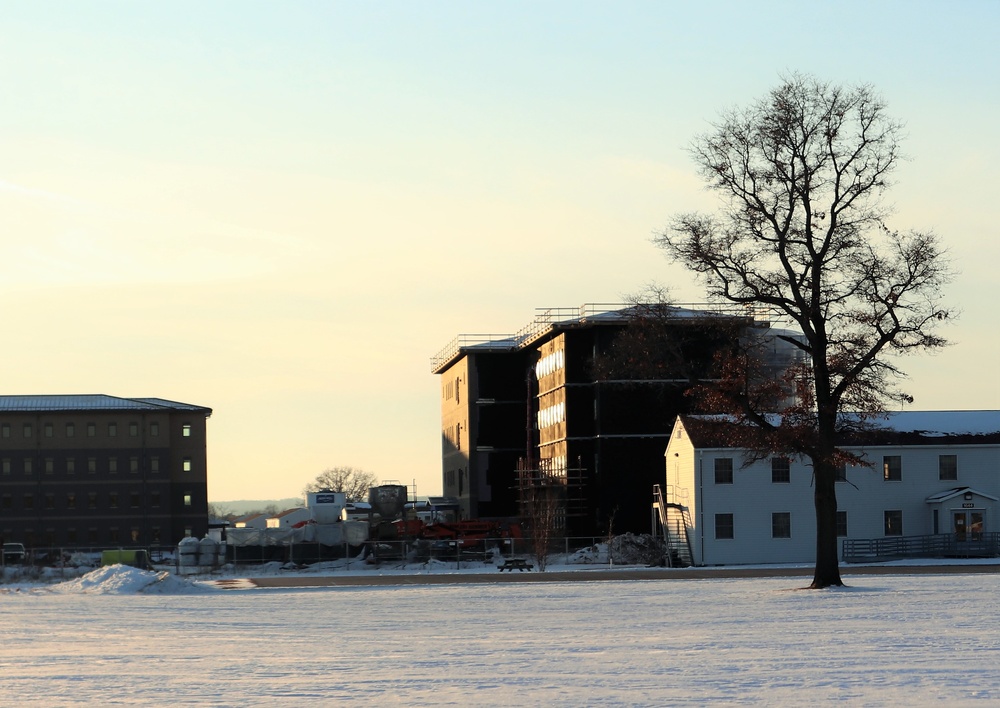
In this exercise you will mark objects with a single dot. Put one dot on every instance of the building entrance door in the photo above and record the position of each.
(968, 525)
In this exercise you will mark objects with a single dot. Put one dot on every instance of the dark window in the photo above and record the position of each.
(724, 526)
(781, 470)
(91, 430)
(892, 468)
(70, 500)
(27, 430)
(6, 465)
(893, 522)
(133, 464)
(154, 464)
(781, 524)
(50, 465)
(154, 499)
(27, 465)
(154, 429)
(5, 430)
(841, 472)
(134, 500)
(948, 467)
(113, 500)
(113, 534)
(5, 501)
(723, 470)
(70, 535)
(70, 465)
(112, 464)
(112, 430)
(49, 432)
(70, 430)
(91, 464)
(29, 501)
(133, 430)
(841, 523)
(50, 501)
(91, 500)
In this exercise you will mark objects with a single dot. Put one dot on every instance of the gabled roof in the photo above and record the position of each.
(92, 402)
(952, 493)
(288, 512)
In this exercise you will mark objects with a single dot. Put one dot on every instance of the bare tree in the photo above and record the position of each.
(542, 502)
(802, 175)
(354, 482)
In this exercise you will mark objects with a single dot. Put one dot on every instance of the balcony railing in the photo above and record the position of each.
(984, 545)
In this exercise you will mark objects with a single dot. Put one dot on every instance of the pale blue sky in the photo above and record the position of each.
(282, 210)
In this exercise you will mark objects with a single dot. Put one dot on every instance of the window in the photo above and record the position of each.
(92, 535)
(112, 464)
(5, 430)
(27, 465)
(91, 500)
(113, 500)
(133, 500)
(892, 468)
(154, 429)
(5, 501)
(50, 501)
(92, 465)
(841, 472)
(186, 430)
(112, 430)
(113, 534)
(49, 431)
(50, 465)
(70, 465)
(187, 464)
(948, 467)
(70, 500)
(155, 533)
(135, 535)
(70, 430)
(154, 464)
(133, 430)
(154, 499)
(723, 526)
(91, 430)
(133, 464)
(893, 522)
(5, 465)
(841, 523)
(29, 501)
(723, 470)
(781, 470)
(781, 524)
(70, 535)
(27, 430)
(187, 500)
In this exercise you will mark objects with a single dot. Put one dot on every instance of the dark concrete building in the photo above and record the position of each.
(96, 471)
(540, 399)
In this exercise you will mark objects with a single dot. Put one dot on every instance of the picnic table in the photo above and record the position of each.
(513, 564)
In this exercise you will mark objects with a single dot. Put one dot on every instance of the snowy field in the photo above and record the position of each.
(126, 637)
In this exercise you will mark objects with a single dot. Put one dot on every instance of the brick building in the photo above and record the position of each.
(97, 471)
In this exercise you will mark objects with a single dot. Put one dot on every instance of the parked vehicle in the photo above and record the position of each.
(13, 553)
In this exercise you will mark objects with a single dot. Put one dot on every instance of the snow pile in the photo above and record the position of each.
(125, 580)
(627, 549)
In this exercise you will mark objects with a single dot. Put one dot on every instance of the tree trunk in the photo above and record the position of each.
(827, 572)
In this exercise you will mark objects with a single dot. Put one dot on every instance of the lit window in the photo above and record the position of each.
(187, 500)
(892, 468)
(893, 522)
(780, 470)
(187, 464)
(186, 430)
(948, 467)
(723, 470)
(724, 526)
(781, 524)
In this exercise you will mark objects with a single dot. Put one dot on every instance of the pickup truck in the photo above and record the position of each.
(13, 553)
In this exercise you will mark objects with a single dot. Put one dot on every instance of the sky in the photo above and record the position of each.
(281, 211)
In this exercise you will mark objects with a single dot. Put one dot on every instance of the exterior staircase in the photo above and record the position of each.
(673, 521)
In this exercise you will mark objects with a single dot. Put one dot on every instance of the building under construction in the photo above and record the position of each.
(580, 404)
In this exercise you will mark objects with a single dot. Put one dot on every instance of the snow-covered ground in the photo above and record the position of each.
(124, 636)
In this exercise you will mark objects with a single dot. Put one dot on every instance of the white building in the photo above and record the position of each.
(931, 473)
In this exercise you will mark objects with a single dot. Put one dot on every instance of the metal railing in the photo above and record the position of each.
(984, 545)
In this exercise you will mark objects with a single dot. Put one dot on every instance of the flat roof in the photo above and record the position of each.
(92, 402)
